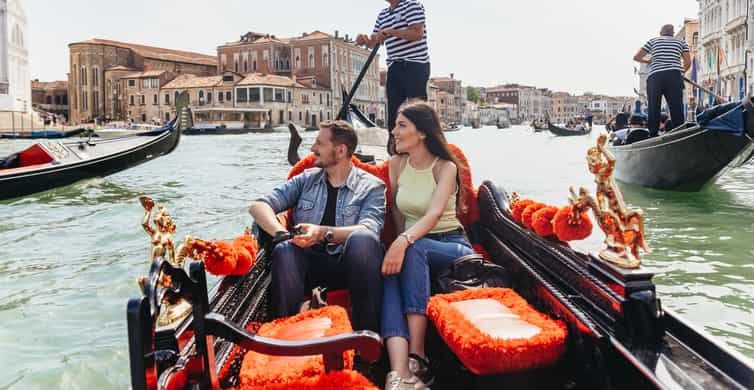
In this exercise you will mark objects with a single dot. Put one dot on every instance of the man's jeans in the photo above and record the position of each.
(409, 291)
(296, 271)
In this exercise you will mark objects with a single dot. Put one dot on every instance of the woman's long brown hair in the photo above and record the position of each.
(427, 122)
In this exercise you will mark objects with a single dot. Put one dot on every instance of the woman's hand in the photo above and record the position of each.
(394, 257)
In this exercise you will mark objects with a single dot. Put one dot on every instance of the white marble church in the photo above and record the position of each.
(15, 83)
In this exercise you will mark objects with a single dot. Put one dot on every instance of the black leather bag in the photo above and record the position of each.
(470, 271)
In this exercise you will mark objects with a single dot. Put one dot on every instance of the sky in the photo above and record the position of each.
(575, 46)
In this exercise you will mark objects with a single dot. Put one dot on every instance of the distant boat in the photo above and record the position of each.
(44, 166)
(689, 157)
(565, 131)
(43, 134)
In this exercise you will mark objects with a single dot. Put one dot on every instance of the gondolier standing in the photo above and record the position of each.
(401, 26)
(665, 76)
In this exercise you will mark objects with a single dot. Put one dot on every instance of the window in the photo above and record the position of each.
(279, 95)
(228, 96)
(220, 96)
(131, 99)
(223, 61)
(95, 76)
(235, 62)
(299, 115)
(95, 102)
(289, 100)
(131, 83)
(83, 75)
(310, 57)
(201, 98)
(297, 59)
(154, 99)
(325, 56)
(84, 100)
(143, 100)
(320, 99)
(49, 99)
(241, 95)
(290, 115)
(167, 98)
(246, 65)
(254, 95)
(267, 94)
(176, 96)
(228, 78)
(167, 117)
(209, 97)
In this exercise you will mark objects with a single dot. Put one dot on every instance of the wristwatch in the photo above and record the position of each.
(329, 236)
(408, 237)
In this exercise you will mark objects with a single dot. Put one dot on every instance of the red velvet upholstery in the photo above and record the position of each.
(34, 155)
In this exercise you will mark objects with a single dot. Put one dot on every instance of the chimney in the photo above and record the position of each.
(451, 76)
(347, 38)
(336, 33)
(303, 34)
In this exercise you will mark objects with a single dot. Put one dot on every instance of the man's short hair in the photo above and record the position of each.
(341, 134)
(667, 30)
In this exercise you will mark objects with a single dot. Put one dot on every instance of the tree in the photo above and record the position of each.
(472, 94)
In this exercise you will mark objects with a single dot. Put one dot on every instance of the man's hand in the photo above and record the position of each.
(394, 257)
(312, 234)
(362, 39)
(387, 32)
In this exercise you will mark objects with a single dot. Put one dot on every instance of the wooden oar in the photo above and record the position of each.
(709, 91)
(347, 100)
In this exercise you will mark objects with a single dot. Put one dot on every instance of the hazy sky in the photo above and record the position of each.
(576, 45)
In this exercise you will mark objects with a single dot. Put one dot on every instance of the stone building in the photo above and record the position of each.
(328, 62)
(451, 98)
(50, 97)
(723, 44)
(15, 83)
(690, 34)
(95, 89)
(253, 101)
(564, 106)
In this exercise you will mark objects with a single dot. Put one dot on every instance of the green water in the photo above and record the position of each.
(70, 257)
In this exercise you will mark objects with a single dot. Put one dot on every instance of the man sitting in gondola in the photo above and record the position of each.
(339, 212)
(635, 132)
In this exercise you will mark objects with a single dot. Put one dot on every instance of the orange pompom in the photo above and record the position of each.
(541, 221)
(529, 211)
(570, 227)
(518, 208)
(246, 253)
(218, 256)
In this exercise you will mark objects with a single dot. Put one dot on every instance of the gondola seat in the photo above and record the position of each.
(495, 331)
(261, 371)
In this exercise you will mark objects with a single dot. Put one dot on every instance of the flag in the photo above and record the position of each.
(694, 69)
(719, 59)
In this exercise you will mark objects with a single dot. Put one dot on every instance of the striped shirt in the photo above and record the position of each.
(407, 13)
(666, 52)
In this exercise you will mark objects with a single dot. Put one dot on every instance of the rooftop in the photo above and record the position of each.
(157, 52)
(148, 73)
(192, 81)
(35, 84)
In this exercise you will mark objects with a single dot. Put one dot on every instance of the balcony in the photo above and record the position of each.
(736, 23)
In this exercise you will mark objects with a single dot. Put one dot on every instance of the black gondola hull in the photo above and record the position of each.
(24, 182)
(684, 160)
(564, 132)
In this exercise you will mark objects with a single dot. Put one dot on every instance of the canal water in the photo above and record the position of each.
(70, 257)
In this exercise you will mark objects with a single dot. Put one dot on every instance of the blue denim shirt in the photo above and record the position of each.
(361, 201)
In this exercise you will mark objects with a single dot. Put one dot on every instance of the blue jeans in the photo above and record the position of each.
(409, 291)
(296, 271)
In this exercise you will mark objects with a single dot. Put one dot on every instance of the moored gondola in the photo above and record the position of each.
(43, 166)
(564, 131)
(619, 336)
(44, 134)
(689, 157)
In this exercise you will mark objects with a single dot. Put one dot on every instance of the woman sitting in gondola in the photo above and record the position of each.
(425, 179)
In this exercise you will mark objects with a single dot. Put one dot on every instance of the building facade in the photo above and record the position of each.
(50, 97)
(95, 87)
(689, 33)
(317, 59)
(451, 98)
(15, 83)
(723, 47)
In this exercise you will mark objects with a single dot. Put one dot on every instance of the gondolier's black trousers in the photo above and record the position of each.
(405, 80)
(295, 271)
(668, 83)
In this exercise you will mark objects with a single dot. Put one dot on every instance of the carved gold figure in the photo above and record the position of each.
(624, 229)
(161, 239)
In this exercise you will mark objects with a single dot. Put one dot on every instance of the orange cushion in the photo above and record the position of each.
(261, 370)
(494, 330)
(334, 380)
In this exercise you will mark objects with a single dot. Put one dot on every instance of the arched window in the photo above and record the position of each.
(49, 99)
(201, 98)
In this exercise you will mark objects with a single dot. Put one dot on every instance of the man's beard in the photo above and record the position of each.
(321, 163)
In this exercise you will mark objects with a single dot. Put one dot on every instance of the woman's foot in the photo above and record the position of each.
(419, 366)
(396, 382)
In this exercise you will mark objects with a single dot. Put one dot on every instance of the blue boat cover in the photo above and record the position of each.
(727, 117)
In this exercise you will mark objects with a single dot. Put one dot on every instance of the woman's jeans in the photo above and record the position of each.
(409, 291)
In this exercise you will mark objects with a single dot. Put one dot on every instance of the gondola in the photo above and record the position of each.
(564, 131)
(43, 166)
(503, 125)
(619, 336)
(44, 134)
(182, 334)
(693, 155)
(537, 126)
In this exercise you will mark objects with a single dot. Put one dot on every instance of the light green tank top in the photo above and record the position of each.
(415, 190)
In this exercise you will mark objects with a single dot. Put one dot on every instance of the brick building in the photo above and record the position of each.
(317, 60)
(50, 96)
(95, 88)
(451, 98)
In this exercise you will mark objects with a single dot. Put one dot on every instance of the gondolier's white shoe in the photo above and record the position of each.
(395, 382)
